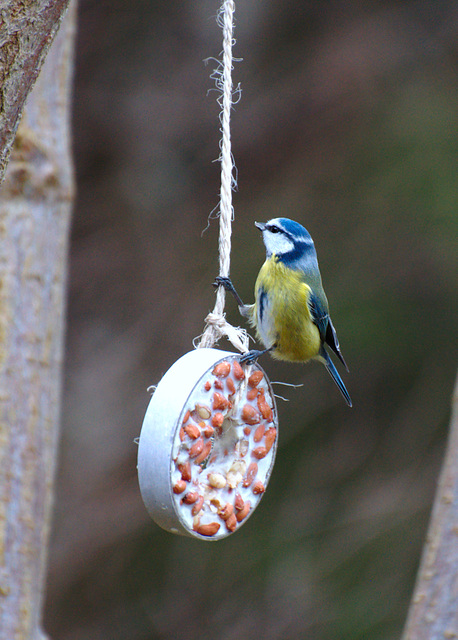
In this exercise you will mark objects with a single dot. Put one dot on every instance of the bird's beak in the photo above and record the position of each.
(260, 225)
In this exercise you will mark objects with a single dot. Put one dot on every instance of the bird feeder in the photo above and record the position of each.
(207, 444)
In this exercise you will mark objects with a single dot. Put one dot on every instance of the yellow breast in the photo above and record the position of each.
(281, 313)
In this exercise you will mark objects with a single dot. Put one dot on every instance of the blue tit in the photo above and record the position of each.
(291, 311)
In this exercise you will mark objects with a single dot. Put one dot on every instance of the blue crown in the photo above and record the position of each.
(294, 229)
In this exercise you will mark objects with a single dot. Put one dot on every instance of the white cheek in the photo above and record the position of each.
(277, 243)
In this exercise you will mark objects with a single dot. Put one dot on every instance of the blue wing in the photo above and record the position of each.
(328, 363)
(323, 321)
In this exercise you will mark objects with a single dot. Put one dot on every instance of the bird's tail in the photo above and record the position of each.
(328, 363)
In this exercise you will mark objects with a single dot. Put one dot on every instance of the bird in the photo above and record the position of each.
(291, 311)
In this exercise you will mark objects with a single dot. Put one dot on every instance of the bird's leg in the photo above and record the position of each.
(227, 284)
(244, 309)
(251, 356)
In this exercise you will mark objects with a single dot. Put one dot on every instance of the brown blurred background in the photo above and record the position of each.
(348, 124)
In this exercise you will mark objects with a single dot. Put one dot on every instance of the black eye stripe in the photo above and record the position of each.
(274, 229)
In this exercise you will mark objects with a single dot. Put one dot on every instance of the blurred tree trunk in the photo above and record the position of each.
(433, 613)
(35, 204)
(26, 32)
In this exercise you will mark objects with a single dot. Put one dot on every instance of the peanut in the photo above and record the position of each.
(226, 511)
(196, 448)
(208, 431)
(242, 514)
(222, 369)
(255, 378)
(219, 401)
(197, 506)
(259, 452)
(238, 502)
(237, 371)
(257, 437)
(264, 408)
(250, 415)
(258, 487)
(179, 487)
(190, 497)
(192, 430)
(270, 436)
(217, 420)
(231, 523)
(203, 455)
(251, 394)
(230, 386)
(185, 470)
(207, 529)
(250, 474)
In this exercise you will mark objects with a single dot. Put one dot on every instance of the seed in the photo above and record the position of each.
(257, 437)
(238, 502)
(250, 415)
(258, 487)
(217, 420)
(251, 394)
(196, 448)
(203, 411)
(242, 514)
(255, 378)
(231, 523)
(246, 431)
(203, 455)
(218, 384)
(241, 448)
(179, 487)
(237, 371)
(226, 511)
(208, 431)
(192, 430)
(198, 506)
(190, 497)
(207, 529)
(264, 408)
(250, 474)
(259, 452)
(182, 434)
(219, 401)
(270, 436)
(235, 474)
(185, 470)
(216, 480)
(222, 369)
(208, 385)
(230, 385)
(215, 504)
(186, 417)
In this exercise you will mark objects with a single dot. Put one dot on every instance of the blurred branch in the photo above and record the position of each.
(433, 613)
(26, 32)
(35, 205)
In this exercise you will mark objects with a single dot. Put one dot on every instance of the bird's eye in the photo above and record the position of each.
(274, 229)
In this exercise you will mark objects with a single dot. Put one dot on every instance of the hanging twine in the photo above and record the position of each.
(216, 324)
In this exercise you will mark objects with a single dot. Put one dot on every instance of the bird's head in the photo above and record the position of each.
(286, 239)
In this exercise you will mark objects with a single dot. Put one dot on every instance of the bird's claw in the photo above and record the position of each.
(223, 281)
(251, 356)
